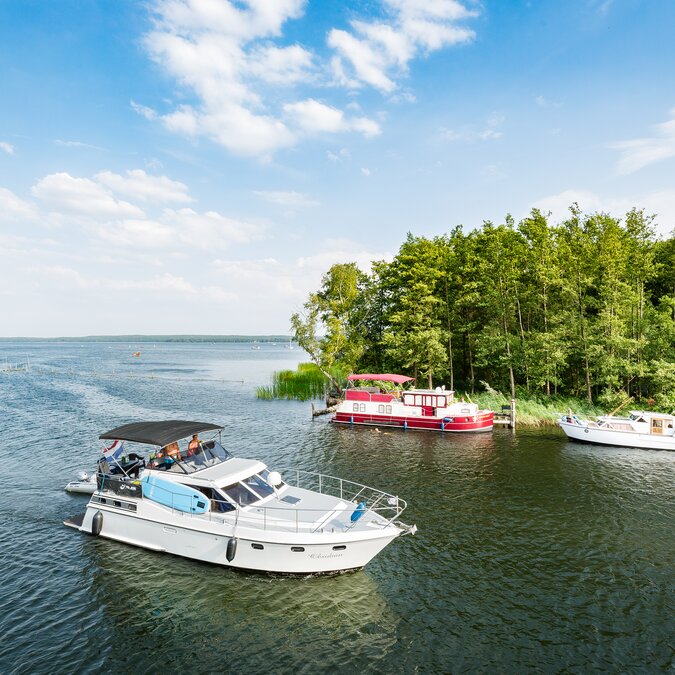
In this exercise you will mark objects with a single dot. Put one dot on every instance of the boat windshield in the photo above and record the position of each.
(208, 454)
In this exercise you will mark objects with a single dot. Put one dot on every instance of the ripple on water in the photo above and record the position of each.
(532, 553)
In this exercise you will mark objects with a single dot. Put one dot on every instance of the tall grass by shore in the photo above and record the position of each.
(303, 384)
(534, 411)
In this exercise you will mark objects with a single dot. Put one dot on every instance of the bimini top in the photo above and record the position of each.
(383, 377)
(158, 433)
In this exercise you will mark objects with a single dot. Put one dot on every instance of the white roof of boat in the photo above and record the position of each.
(230, 471)
(650, 413)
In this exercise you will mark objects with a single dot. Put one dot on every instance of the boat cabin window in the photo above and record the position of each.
(250, 490)
(259, 486)
(429, 400)
(240, 494)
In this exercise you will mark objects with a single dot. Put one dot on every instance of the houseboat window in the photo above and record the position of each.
(441, 402)
(356, 407)
(428, 400)
(388, 410)
(239, 494)
(362, 407)
(258, 485)
(380, 408)
(408, 399)
(418, 399)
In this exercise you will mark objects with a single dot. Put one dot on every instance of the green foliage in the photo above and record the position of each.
(305, 383)
(583, 308)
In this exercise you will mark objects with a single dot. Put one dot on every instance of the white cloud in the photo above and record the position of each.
(291, 199)
(166, 283)
(226, 55)
(312, 116)
(641, 152)
(7, 147)
(472, 134)
(62, 193)
(338, 156)
(75, 144)
(215, 50)
(340, 251)
(137, 233)
(365, 172)
(375, 53)
(544, 102)
(137, 184)
(281, 65)
(14, 208)
(661, 203)
(144, 111)
(210, 230)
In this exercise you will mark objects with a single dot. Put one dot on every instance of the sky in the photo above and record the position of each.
(195, 166)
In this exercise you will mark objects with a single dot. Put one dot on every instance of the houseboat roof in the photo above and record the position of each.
(382, 377)
(158, 433)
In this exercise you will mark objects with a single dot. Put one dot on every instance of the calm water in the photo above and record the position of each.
(533, 554)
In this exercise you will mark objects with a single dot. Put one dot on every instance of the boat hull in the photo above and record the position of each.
(472, 424)
(616, 438)
(207, 541)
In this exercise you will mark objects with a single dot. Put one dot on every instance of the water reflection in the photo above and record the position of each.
(184, 608)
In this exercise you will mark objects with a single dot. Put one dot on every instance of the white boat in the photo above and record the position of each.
(85, 483)
(211, 506)
(650, 430)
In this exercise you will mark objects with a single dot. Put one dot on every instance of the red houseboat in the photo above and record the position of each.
(428, 409)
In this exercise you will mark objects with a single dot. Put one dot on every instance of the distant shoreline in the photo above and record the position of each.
(153, 338)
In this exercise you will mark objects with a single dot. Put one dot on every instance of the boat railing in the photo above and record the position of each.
(359, 501)
(373, 499)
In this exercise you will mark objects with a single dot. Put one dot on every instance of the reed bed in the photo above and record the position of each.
(535, 411)
(303, 384)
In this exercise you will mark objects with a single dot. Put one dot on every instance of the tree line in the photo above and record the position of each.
(584, 308)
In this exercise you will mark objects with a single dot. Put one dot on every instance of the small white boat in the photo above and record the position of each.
(205, 504)
(85, 483)
(649, 430)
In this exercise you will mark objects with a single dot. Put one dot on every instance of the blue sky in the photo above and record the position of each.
(176, 166)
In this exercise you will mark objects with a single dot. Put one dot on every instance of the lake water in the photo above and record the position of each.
(533, 553)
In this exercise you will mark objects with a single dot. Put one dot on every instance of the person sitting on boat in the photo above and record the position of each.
(193, 445)
(171, 451)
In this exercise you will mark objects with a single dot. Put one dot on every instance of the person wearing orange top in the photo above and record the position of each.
(193, 445)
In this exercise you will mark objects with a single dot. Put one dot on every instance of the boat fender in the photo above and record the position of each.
(358, 511)
(97, 523)
(231, 549)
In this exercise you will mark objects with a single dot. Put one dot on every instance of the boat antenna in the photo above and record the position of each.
(626, 402)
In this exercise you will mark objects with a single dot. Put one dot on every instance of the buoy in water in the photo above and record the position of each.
(97, 523)
(231, 549)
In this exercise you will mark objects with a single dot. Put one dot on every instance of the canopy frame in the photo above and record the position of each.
(382, 377)
(158, 433)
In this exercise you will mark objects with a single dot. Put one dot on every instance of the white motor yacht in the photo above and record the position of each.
(203, 503)
(649, 430)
